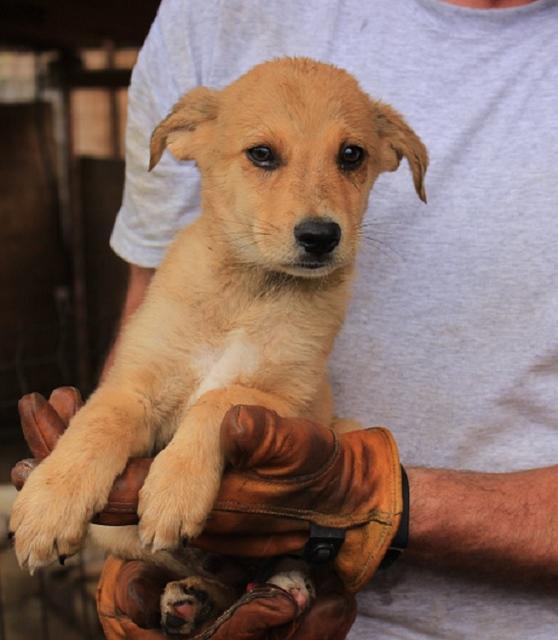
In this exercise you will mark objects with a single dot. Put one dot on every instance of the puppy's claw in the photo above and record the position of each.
(25, 563)
(62, 559)
(185, 541)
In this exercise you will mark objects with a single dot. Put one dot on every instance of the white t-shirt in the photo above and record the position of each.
(452, 335)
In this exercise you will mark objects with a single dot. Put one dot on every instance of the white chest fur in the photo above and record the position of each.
(215, 368)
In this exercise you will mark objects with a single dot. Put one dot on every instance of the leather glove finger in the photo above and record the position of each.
(128, 595)
(288, 469)
(128, 604)
(332, 614)
(268, 613)
(43, 422)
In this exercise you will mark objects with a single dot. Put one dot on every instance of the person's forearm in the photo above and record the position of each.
(138, 281)
(504, 526)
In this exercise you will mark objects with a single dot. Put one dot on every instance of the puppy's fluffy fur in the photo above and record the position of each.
(234, 315)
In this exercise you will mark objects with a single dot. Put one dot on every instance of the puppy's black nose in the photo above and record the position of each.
(317, 236)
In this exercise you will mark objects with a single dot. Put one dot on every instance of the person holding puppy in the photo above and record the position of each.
(451, 336)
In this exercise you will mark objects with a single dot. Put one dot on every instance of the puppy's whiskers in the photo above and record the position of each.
(383, 247)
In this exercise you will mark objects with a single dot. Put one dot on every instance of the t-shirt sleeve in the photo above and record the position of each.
(158, 203)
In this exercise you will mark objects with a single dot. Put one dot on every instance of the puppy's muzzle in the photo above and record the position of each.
(318, 237)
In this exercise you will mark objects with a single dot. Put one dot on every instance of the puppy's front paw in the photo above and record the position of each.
(187, 603)
(175, 500)
(48, 519)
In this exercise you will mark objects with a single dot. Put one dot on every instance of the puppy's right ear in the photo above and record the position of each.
(186, 126)
(398, 140)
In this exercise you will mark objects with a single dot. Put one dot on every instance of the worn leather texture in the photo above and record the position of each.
(287, 472)
(282, 474)
(128, 604)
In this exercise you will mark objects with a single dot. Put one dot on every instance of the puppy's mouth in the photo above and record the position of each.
(311, 266)
(310, 262)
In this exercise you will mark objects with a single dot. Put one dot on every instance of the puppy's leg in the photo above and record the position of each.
(184, 478)
(51, 513)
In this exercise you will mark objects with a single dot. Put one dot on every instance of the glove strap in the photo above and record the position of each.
(324, 542)
(401, 538)
(323, 545)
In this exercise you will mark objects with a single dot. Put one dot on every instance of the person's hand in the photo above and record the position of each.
(128, 604)
(284, 474)
(128, 595)
(44, 421)
(288, 473)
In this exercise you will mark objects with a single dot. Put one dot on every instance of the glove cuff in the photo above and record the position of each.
(401, 539)
(366, 546)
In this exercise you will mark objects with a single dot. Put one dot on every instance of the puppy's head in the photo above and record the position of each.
(288, 155)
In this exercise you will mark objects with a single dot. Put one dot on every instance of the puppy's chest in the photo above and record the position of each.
(236, 358)
(277, 347)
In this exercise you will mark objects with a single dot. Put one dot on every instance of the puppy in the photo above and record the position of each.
(243, 310)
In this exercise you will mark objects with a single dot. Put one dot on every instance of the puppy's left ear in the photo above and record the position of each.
(186, 127)
(398, 140)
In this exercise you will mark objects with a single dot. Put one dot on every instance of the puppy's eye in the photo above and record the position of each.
(263, 157)
(350, 157)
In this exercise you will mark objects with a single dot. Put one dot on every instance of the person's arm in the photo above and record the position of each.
(503, 526)
(500, 526)
(138, 281)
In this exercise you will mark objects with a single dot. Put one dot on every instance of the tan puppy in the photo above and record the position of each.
(244, 308)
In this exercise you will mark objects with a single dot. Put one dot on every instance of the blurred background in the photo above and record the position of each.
(64, 71)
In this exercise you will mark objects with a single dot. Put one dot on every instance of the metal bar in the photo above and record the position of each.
(77, 242)
(99, 79)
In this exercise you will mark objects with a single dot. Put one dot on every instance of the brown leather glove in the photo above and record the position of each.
(128, 593)
(43, 422)
(284, 474)
(128, 604)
